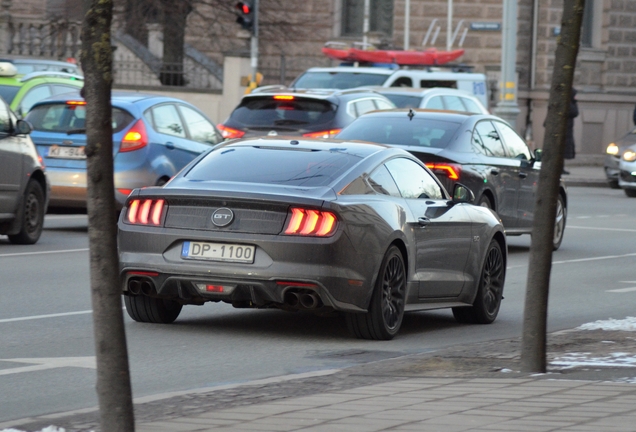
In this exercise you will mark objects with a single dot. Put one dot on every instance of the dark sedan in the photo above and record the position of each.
(311, 225)
(480, 151)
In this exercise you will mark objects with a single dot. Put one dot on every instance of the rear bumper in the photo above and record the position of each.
(331, 268)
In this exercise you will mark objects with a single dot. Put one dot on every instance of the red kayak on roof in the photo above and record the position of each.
(429, 57)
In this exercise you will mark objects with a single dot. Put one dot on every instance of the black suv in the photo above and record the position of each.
(310, 113)
(24, 189)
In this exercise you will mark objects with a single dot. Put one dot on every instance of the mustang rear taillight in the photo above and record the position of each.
(307, 222)
(146, 211)
(451, 171)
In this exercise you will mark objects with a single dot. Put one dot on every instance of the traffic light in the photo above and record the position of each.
(245, 15)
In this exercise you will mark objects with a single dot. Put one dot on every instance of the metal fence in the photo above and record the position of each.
(186, 75)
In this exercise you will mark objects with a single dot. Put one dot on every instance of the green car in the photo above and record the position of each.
(21, 92)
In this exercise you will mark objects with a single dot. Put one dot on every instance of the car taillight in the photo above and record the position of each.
(146, 211)
(135, 138)
(230, 133)
(308, 222)
(451, 171)
(323, 134)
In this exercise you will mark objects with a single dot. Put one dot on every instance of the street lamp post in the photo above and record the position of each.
(507, 107)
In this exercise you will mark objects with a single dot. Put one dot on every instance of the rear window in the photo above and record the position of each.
(338, 80)
(8, 93)
(275, 166)
(64, 118)
(267, 111)
(400, 131)
(405, 101)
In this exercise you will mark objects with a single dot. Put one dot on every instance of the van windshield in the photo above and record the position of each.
(338, 80)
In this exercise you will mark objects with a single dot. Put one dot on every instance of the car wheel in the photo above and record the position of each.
(32, 215)
(484, 201)
(613, 184)
(386, 310)
(630, 193)
(489, 293)
(559, 223)
(142, 308)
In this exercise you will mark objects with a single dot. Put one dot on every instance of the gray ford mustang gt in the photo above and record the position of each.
(316, 225)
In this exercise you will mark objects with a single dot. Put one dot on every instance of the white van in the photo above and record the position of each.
(343, 77)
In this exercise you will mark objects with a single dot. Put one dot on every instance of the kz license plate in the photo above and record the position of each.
(218, 252)
(63, 152)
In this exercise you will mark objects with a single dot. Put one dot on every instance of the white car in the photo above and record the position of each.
(439, 98)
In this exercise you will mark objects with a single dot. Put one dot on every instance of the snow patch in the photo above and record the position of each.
(627, 324)
(617, 359)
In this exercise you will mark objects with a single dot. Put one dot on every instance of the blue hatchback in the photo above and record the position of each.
(153, 138)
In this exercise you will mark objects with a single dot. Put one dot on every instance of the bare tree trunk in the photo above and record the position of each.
(175, 15)
(113, 377)
(535, 316)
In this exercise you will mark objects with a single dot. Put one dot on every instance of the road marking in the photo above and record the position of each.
(49, 363)
(622, 290)
(602, 229)
(580, 260)
(43, 252)
(34, 317)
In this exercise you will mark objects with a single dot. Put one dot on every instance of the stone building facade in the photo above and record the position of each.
(292, 33)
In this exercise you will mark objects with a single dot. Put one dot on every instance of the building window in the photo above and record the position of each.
(587, 29)
(380, 17)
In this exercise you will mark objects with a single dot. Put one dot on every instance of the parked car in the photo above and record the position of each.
(153, 138)
(29, 65)
(480, 151)
(310, 113)
(438, 98)
(613, 154)
(21, 92)
(314, 225)
(24, 188)
(345, 77)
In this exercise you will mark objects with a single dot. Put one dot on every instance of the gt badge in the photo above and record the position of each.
(222, 217)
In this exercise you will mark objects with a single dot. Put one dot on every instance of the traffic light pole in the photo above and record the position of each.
(254, 43)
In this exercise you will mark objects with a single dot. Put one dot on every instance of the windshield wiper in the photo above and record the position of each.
(75, 131)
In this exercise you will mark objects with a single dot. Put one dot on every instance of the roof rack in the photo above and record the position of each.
(50, 74)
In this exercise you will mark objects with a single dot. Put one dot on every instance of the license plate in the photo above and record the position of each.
(64, 152)
(218, 252)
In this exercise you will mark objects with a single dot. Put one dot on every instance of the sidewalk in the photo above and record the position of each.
(590, 386)
(584, 175)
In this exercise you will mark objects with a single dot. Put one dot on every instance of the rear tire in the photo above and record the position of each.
(32, 215)
(142, 308)
(386, 310)
(484, 201)
(630, 193)
(489, 294)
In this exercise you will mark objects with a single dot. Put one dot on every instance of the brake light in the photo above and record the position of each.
(135, 138)
(146, 212)
(283, 97)
(307, 222)
(230, 133)
(323, 134)
(72, 102)
(449, 170)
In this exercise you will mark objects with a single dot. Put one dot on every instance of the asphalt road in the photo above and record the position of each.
(46, 347)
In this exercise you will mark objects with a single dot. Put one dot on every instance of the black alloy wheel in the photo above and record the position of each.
(386, 309)
(490, 291)
(32, 215)
(142, 308)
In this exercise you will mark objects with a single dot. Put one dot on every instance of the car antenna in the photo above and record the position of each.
(411, 114)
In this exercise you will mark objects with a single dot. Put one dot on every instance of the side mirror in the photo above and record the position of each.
(23, 127)
(537, 155)
(461, 194)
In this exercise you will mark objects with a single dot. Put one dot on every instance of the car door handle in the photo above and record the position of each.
(423, 221)
(494, 172)
(523, 175)
(170, 145)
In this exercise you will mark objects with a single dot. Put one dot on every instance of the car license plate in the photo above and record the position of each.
(218, 252)
(65, 152)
